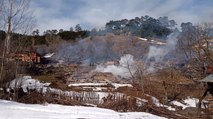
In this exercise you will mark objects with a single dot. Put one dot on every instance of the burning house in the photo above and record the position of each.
(28, 57)
(31, 56)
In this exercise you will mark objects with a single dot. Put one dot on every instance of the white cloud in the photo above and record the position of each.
(56, 14)
(59, 23)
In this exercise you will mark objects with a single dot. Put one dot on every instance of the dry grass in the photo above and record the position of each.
(46, 78)
(170, 84)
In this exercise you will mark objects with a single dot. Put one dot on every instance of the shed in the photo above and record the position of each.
(207, 79)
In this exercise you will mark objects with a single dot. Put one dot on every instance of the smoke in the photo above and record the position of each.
(99, 49)
(86, 51)
(42, 50)
(125, 69)
(158, 53)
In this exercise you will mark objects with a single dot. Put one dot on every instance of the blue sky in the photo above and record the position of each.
(57, 14)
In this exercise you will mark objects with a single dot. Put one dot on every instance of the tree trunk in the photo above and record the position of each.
(2, 64)
(8, 27)
(7, 44)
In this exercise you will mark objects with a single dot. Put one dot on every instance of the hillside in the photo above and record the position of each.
(110, 65)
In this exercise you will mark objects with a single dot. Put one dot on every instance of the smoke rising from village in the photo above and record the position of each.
(145, 56)
(86, 51)
(157, 54)
(125, 69)
(99, 49)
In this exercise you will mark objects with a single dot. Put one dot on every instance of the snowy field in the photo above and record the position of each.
(14, 110)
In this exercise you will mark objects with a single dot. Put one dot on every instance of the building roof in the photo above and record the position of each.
(208, 78)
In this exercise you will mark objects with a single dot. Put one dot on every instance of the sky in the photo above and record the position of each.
(63, 14)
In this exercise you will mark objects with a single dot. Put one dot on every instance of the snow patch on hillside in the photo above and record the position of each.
(143, 39)
(188, 102)
(27, 82)
(115, 85)
(158, 104)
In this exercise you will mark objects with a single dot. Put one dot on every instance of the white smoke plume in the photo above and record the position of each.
(158, 53)
(98, 49)
(86, 51)
(125, 69)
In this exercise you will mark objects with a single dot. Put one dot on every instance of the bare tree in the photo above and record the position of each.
(1, 6)
(196, 42)
(15, 17)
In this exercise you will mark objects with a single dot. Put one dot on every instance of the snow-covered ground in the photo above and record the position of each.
(26, 83)
(188, 102)
(116, 85)
(14, 110)
(158, 104)
(152, 41)
(143, 39)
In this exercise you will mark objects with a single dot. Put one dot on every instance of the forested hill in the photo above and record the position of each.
(145, 26)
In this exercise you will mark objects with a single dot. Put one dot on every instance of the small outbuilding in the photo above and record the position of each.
(209, 81)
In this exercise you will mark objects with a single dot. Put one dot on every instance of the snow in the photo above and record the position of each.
(96, 88)
(102, 95)
(188, 102)
(179, 104)
(49, 55)
(87, 84)
(191, 102)
(143, 39)
(140, 102)
(157, 103)
(116, 85)
(14, 110)
(27, 82)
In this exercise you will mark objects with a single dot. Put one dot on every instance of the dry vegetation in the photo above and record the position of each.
(167, 84)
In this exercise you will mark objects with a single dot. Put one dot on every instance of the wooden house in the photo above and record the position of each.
(28, 57)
